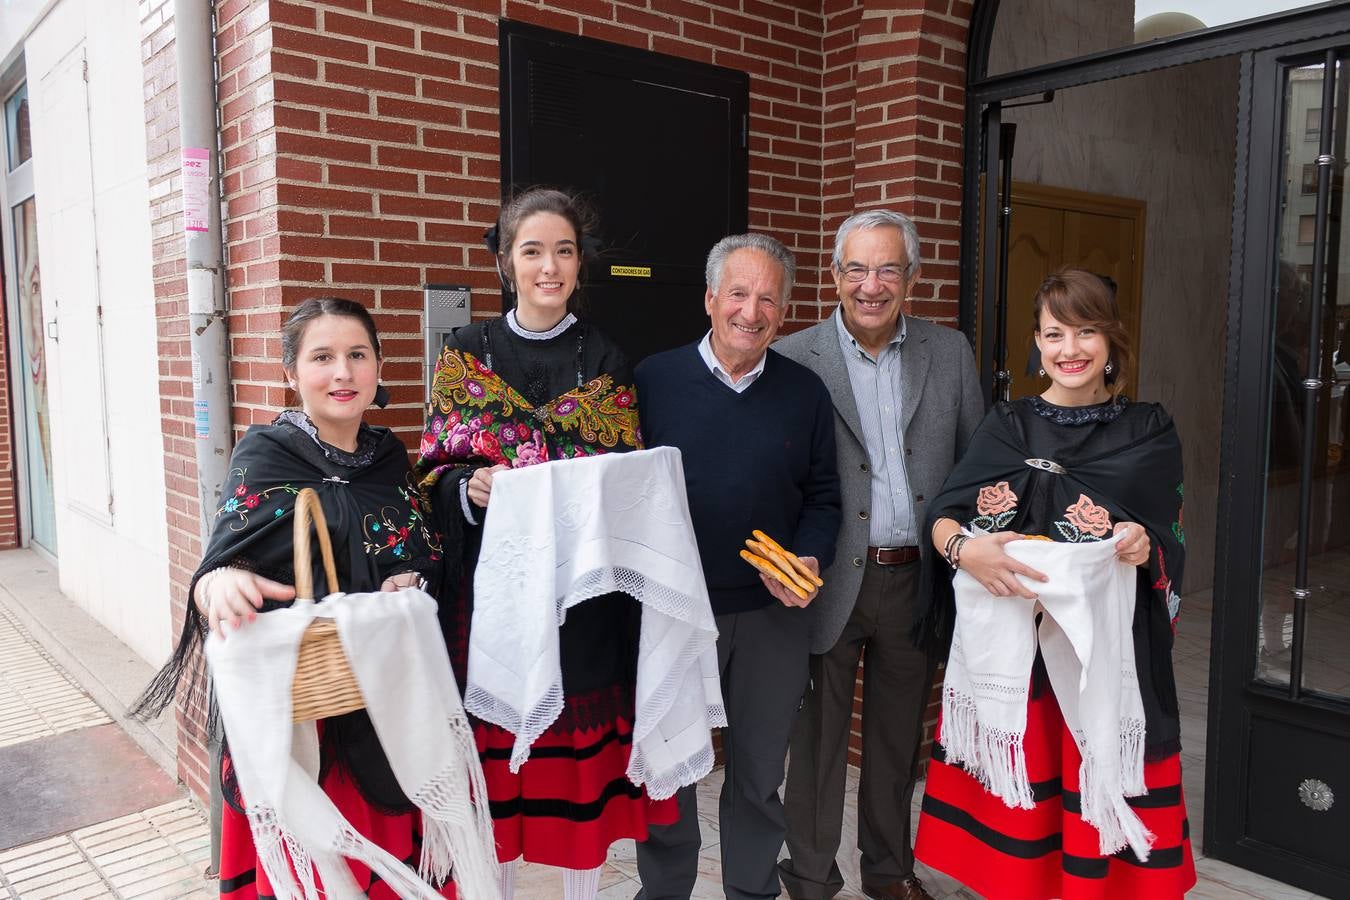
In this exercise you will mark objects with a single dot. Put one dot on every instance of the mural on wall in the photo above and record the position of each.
(34, 362)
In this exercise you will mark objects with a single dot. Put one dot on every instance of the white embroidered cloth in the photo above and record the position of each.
(1088, 647)
(395, 648)
(560, 533)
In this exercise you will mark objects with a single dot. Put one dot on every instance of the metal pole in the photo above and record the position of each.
(1312, 381)
(989, 248)
(199, 133)
(1002, 377)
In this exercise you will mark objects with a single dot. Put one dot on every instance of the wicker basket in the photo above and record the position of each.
(324, 684)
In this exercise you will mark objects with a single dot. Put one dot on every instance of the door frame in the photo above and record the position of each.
(1235, 695)
(15, 187)
(1233, 631)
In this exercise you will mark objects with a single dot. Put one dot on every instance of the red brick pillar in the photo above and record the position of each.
(894, 104)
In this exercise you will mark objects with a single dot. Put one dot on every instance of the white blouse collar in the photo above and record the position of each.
(567, 322)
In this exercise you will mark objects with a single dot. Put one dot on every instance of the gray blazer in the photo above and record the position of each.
(941, 405)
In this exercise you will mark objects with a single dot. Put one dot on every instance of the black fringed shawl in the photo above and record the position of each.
(1070, 474)
(375, 519)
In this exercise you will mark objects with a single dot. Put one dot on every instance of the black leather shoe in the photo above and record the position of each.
(907, 888)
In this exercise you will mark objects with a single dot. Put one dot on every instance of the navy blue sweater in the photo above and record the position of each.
(763, 458)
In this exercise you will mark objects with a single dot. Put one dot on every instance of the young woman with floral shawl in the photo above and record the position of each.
(532, 386)
(381, 541)
(1077, 464)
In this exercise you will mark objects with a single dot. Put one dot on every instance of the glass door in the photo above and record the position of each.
(1279, 779)
(27, 331)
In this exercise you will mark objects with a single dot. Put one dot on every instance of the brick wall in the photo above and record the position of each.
(362, 155)
(362, 158)
(9, 508)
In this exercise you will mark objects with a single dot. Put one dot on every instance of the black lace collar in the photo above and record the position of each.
(1079, 415)
(367, 441)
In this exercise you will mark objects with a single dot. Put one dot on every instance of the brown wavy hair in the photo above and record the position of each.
(1077, 297)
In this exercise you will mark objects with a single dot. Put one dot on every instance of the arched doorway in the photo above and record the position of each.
(1236, 137)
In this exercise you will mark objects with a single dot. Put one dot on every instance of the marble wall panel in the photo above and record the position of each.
(1166, 138)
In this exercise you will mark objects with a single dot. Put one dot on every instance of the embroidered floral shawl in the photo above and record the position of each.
(1138, 479)
(475, 418)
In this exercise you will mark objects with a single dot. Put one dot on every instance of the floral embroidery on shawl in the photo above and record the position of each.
(241, 500)
(477, 414)
(1084, 521)
(1164, 586)
(996, 506)
(385, 532)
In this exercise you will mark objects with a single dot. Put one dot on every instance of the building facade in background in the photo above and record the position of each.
(362, 146)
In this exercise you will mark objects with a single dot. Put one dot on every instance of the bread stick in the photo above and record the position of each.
(772, 571)
(802, 568)
(766, 552)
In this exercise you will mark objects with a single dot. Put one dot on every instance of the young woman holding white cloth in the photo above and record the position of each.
(1079, 463)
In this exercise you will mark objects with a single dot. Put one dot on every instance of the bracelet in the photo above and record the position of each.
(955, 557)
(199, 589)
(947, 549)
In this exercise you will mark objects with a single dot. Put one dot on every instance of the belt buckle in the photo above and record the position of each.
(876, 557)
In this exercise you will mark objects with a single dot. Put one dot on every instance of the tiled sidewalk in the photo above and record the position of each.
(156, 853)
(159, 849)
(93, 816)
(36, 699)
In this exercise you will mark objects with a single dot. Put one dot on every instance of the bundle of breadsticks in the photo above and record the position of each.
(783, 566)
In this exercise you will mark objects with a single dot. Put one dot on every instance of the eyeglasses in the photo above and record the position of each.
(884, 273)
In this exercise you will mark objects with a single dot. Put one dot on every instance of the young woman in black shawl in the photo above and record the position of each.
(331, 357)
(1078, 463)
(535, 385)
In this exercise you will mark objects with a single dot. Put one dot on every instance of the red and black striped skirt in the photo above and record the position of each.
(571, 799)
(241, 878)
(1049, 851)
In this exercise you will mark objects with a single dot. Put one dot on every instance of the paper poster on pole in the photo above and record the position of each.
(196, 188)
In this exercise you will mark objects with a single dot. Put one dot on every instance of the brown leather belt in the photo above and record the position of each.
(892, 556)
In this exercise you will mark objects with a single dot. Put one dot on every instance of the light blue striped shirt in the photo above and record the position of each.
(876, 391)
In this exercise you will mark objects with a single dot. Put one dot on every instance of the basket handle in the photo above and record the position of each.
(307, 507)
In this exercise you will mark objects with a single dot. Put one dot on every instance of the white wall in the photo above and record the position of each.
(16, 17)
(94, 240)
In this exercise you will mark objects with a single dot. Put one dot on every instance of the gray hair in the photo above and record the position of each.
(773, 248)
(878, 218)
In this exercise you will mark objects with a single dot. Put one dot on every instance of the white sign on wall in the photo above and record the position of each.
(196, 187)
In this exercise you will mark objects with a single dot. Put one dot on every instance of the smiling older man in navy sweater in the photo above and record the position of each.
(756, 432)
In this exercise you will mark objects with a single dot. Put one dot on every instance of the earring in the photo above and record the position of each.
(1042, 371)
(1109, 369)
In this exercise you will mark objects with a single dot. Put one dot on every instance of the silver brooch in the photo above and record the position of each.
(1046, 465)
(1316, 794)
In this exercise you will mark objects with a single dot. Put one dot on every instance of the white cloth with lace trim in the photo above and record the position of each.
(1087, 643)
(560, 533)
(394, 646)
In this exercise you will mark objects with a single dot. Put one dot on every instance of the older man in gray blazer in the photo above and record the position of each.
(906, 402)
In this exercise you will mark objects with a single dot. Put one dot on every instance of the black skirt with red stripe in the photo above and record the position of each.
(1049, 851)
(241, 878)
(571, 799)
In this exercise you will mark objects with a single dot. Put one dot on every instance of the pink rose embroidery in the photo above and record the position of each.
(485, 444)
(1088, 517)
(995, 499)
(459, 440)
